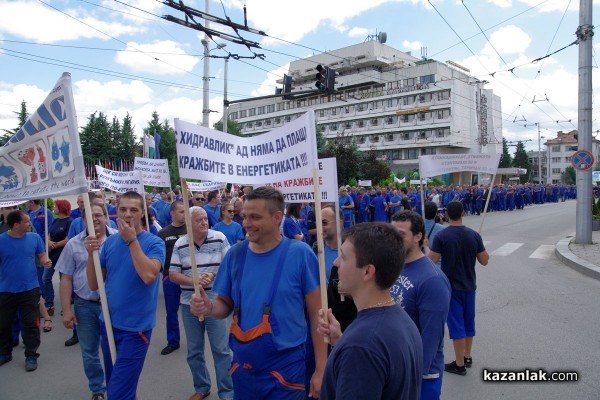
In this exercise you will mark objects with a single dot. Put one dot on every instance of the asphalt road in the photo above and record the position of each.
(531, 313)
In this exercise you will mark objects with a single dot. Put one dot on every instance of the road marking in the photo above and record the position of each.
(545, 252)
(506, 249)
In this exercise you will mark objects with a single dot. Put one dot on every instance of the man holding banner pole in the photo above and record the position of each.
(264, 280)
(131, 263)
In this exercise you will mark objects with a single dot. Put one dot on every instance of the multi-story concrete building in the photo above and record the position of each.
(560, 150)
(389, 102)
(535, 158)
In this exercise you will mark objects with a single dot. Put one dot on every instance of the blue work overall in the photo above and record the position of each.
(259, 370)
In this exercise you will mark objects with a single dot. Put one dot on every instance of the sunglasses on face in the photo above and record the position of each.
(199, 199)
(230, 211)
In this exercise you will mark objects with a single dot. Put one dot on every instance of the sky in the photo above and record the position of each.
(124, 58)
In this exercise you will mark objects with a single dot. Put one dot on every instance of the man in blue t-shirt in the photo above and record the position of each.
(19, 286)
(379, 355)
(267, 281)
(131, 263)
(459, 247)
(213, 207)
(424, 292)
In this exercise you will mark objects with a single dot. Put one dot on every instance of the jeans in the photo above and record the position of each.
(88, 331)
(172, 293)
(48, 289)
(28, 304)
(218, 338)
(40, 275)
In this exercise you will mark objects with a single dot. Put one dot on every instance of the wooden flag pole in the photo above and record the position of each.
(320, 246)
(190, 235)
(146, 211)
(339, 233)
(46, 234)
(100, 279)
(487, 202)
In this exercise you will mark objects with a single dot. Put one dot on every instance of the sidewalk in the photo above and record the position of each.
(580, 257)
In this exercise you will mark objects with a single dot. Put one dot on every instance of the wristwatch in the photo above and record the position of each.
(129, 241)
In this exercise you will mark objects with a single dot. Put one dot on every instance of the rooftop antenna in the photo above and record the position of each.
(380, 37)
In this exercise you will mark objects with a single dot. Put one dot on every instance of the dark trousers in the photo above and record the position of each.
(28, 304)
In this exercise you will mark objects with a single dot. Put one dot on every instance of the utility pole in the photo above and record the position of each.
(205, 78)
(585, 32)
(539, 154)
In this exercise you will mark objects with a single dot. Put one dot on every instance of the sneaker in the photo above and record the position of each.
(4, 358)
(468, 362)
(72, 341)
(30, 363)
(199, 396)
(98, 396)
(168, 350)
(455, 369)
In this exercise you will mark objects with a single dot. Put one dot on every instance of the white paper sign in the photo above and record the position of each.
(205, 186)
(154, 172)
(447, 163)
(43, 159)
(120, 181)
(283, 153)
(302, 190)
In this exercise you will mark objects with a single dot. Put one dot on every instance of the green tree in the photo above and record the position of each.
(569, 176)
(95, 137)
(521, 160)
(233, 127)
(347, 156)
(505, 158)
(168, 150)
(372, 168)
(22, 116)
(128, 145)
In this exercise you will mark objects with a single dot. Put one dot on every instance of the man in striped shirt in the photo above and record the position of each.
(210, 247)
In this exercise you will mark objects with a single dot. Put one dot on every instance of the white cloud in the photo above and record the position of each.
(94, 95)
(508, 40)
(358, 32)
(141, 58)
(270, 83)
(552, 5)
(416, 45)
(132, 10)
(501, 3)
(47, 25)
(281, 20)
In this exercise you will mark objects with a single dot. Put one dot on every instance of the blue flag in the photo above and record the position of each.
(156, 145)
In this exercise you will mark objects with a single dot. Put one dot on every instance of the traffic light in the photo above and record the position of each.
(287, 87)
(325, 79)
(330, 80)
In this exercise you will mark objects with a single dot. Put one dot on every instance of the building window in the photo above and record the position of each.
(389, 120)
(375, 138)
(258, 124)
(361, 140)
(567, 159)
(361, 124)
(348, 125)
(556, 149)
(428, 79)
(374, 122)
(260, 110)
(555, 159)
(278, 120)
(243, 114)
(347, 109)
(271, 108)
(252, 112)
(405, 118)
(233, 115)
(389, 137)
(267, 122)
(280, 106)
(333, 111)
(556, 170)
(390, 103)
(249, 125)
(360, 107)
(321, 113)
(288, 118)
(405, 136)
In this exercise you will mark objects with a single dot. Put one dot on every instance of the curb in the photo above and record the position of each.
(580, 265)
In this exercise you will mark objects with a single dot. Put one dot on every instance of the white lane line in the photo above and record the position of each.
(544, 252)
(506, 249)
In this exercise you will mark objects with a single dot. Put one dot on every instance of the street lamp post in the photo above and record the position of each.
(225, 95)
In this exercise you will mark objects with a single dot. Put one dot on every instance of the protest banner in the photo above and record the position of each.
(447, 163)
(122, 182)
(11, 203)
(205, 186)
(43, 159)
(301, 190)
(155, 172)
(286, 152)
(365, 183)
(396, 180)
